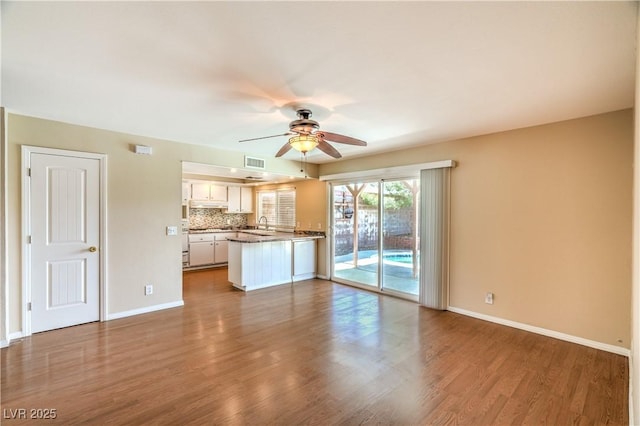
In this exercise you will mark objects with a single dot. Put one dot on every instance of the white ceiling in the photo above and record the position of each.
(395, 74)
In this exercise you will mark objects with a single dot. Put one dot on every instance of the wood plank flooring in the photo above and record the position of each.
(315, 353)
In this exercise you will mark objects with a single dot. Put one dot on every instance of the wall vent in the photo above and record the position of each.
(254, 163)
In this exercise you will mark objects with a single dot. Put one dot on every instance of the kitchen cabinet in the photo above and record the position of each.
(240, 199)
(186, 193)
(200, 191)
(209, 248)
(207, 191)
(201, 249)
(221, 246)
(221, 251)
(218, 192)
(246, 200)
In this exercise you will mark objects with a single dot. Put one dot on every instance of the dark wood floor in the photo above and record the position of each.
(314, 353)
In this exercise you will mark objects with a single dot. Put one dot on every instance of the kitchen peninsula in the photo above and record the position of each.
(259, 259)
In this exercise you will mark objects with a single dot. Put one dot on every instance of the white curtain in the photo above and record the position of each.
(434, 238)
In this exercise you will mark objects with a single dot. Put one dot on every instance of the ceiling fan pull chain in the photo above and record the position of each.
(303, 164)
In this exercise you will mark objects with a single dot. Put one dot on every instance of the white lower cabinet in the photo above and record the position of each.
(201, 249)
(221, 251)
(209, 248)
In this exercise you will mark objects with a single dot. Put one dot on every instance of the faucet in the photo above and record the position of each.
(266, 222)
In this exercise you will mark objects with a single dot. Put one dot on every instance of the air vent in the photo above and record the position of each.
(254, 163)
(254, 178)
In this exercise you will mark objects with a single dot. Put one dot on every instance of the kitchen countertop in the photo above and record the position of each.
(213, 230)
(259, 236)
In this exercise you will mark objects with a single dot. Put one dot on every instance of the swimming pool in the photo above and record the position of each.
(403, 257)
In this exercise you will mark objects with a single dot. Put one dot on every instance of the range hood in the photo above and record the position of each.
(208, 204)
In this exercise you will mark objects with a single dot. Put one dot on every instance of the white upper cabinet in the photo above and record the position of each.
(200, 191)
(246, 200)
(240, 199)
(218, 192)
(186, 193)
(206, 191)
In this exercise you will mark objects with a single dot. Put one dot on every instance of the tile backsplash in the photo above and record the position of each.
(214, 218)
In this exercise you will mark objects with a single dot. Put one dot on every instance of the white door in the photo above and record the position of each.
(64, 200)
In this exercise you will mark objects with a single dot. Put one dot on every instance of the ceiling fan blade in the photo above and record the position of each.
(285, 148)
(328, 149)
(334, 137)
(267, 137)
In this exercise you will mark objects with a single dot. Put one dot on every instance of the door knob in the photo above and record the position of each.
(92, 249)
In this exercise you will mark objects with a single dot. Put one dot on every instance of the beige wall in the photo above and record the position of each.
(311, 212)
(4, 323)
(542, 218)
(143, 197)
(634, 383)
(311, 204)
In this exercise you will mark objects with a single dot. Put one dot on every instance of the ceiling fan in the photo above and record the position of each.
(307, 136)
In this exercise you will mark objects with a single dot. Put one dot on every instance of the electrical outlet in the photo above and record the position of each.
(488, 298)
(148, 289)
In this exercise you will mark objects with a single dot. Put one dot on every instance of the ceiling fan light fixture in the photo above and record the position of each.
(304, 143)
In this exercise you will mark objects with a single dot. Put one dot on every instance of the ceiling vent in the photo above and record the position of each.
(254, 178)
(254, 163)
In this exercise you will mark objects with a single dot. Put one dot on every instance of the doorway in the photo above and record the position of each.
(64, 246)
(375, 240)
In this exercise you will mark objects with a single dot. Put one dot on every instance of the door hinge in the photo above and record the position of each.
(28, 306)
(28, 239)
(29, 172)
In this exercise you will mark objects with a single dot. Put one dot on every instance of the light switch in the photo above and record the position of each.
(172, 230)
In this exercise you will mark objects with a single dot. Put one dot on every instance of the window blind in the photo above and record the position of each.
(278, 206)
(434, 238)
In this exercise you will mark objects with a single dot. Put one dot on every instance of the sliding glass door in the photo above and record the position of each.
(355, 227)
(400, 236)
(375, 235)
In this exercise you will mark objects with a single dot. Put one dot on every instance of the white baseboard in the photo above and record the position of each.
(12, 336)
(631, 394)
(543, 331)
(18, 334)
(15, 335)
(145, 310)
